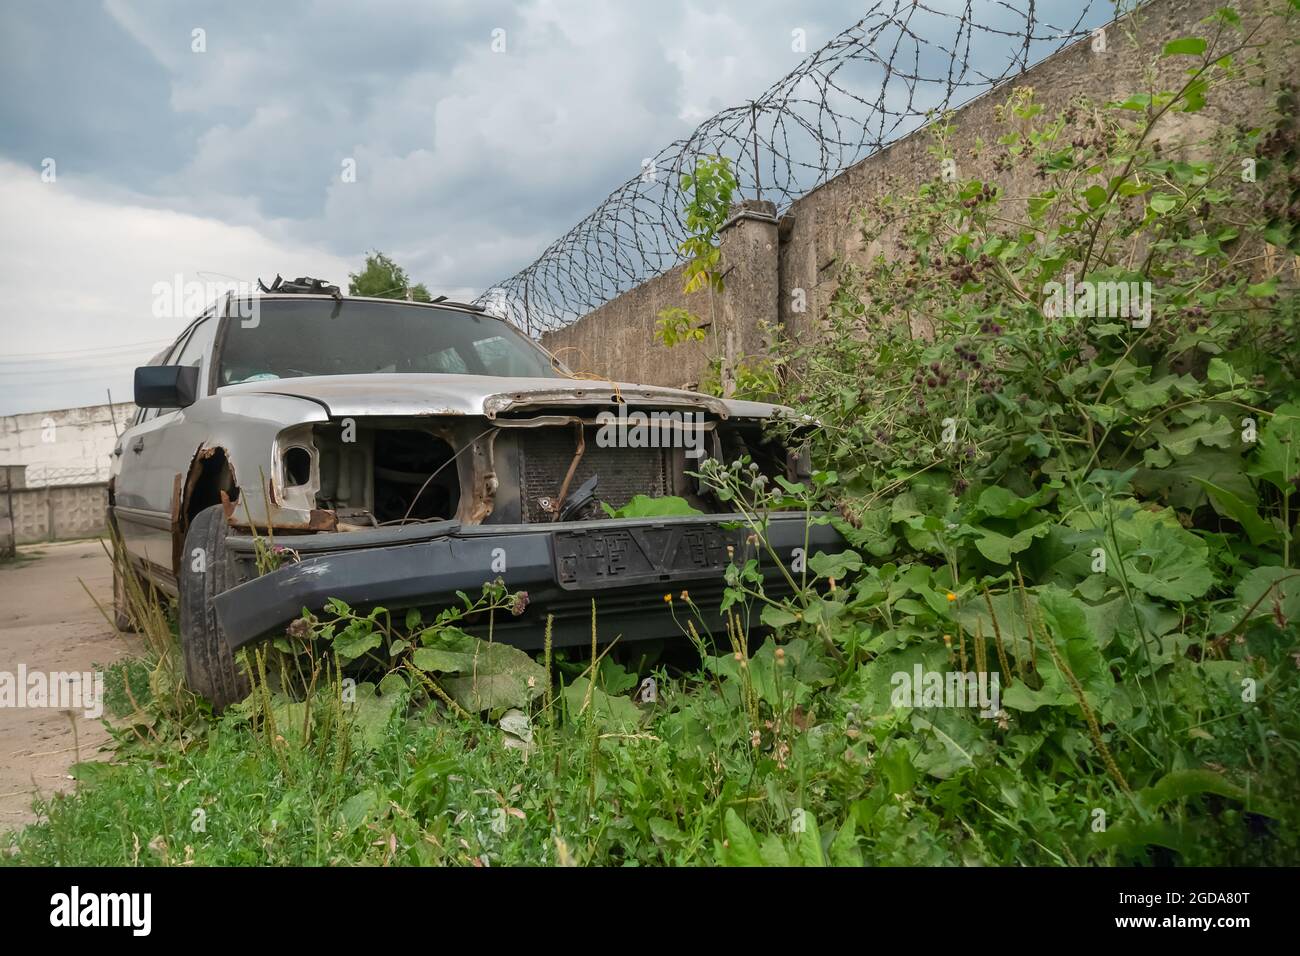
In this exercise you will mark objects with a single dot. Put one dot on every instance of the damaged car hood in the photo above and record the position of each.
(439, 394)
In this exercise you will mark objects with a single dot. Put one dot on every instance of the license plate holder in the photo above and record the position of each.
(643, 554)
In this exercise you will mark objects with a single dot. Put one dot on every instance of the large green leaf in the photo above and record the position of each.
(1157, 556)
(951, 742)
(1178, 480)
(876, 678)
(999, 548)
(1187, 46)
(642, 506)
(613, 714)
(798, 674)
(359, 808)
(999, 502)
(740, 849)
(844, 848)
(835, 565)
(1008, 608)
(1170, 563)
(370, 715)
(357, 639)
(1183, 440)
(1141, 834)
(1241, 510)
(1147, 395)
(1066, 621)
(1186, 783)
(1283, 587)
(1277, 460)
(874, 534)
(809, 842)
(481, 675)
(1129, 620)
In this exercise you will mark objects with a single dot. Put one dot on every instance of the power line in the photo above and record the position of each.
(86, 372)
(23, 356)
(60, 383)
(89, 361)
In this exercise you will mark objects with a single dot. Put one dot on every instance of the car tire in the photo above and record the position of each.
(210, 667)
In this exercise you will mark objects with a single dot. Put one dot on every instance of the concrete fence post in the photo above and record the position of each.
(750, 264)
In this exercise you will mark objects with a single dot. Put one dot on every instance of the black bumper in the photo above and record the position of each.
(626, 565)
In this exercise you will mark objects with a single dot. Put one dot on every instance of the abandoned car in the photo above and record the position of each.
(404, 451)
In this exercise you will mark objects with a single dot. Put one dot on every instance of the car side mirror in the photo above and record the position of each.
(166, 386)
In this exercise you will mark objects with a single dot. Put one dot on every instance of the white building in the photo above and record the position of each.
(67, 446)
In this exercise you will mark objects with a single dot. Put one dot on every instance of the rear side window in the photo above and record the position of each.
(144, 414)
(189, 350)
(196, 347)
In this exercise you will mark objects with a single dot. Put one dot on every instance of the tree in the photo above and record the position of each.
(382, 278)
(709, 190)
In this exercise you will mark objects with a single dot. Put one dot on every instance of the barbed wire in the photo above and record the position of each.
(872, 84)
(40, 476)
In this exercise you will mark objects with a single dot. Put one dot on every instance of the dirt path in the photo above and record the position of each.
(48, 623)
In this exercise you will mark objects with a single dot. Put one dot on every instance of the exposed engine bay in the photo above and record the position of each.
(563, 465)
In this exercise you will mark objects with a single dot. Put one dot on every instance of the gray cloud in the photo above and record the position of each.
(468, 161)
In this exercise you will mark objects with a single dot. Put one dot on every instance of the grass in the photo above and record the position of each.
(22, 556)
(750, 756)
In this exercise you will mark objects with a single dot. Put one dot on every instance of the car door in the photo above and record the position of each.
(152, 466)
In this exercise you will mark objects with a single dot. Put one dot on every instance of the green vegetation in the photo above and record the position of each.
(1098, 510)
(382, 278)
(20, 557)
(708, 190)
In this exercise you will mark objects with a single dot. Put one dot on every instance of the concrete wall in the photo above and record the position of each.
(64, 446)
(55, 512)
(819, 233)
(65, 455)
(617, 340)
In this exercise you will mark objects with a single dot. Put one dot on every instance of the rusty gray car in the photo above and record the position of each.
(405, 451)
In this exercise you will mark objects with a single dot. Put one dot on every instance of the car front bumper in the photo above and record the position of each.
(626, 565)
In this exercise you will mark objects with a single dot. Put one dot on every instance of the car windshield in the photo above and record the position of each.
(288, 339)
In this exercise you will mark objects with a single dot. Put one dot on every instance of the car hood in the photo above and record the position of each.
(415, 394)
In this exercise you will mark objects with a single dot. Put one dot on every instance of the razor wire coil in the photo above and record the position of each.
(879, 80)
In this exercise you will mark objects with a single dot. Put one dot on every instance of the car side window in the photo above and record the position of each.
(189, 349)
(146, 414)
(195, 349)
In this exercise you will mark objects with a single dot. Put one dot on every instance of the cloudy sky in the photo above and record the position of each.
(229, 163)
(145, 140)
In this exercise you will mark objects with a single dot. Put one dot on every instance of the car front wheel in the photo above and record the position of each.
(210, 668)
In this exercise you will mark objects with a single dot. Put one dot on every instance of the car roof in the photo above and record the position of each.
(443, 303)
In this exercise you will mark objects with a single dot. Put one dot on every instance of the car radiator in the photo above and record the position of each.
(545, 456)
